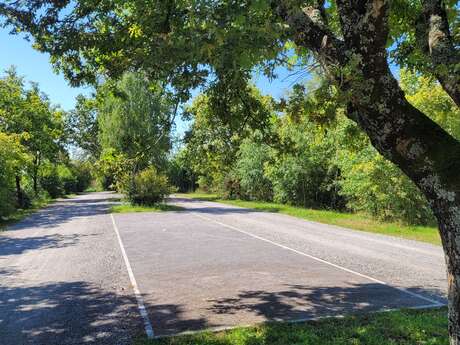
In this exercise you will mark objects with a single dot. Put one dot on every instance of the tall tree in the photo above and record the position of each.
(82, 125)
(192, 42)
(135, 118)
(28, 113)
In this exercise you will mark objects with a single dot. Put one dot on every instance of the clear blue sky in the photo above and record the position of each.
(35, 66)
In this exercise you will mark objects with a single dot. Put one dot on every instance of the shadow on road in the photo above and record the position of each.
(300, 302)
(66, 210)
(15, 246)
(198, 206)
(66, 313)
(295, 302)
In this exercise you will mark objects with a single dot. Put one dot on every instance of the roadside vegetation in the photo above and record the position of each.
(405, 327)
(310, 161)
(35, 165)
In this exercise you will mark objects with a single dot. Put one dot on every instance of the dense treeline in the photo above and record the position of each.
(301, 151)
(309, 154)
(34, 161)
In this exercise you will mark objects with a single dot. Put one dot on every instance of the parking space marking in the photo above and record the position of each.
(140, 300)
(432, 302)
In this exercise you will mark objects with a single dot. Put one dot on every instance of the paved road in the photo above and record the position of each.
(64, 277)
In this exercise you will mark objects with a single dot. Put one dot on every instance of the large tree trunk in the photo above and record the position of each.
(427, 154)
(448, 215)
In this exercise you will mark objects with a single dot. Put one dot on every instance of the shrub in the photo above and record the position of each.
(146, 187)
(377, 187)
(250, 170)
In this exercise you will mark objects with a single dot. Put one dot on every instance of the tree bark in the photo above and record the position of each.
(449, 226)
(435, 41)
(427, 154)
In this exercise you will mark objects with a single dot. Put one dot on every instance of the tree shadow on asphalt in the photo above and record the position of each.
(294, 303)
(78, 312)
(15, 246)
(220, 210)
(306, 302)
(67, 313)
(63, 212)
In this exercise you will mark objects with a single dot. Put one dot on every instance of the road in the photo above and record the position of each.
(74, 274)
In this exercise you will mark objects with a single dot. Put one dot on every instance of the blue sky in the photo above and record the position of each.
(35, 66)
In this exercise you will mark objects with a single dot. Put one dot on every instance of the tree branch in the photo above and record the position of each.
(435, 40)
(309, 29)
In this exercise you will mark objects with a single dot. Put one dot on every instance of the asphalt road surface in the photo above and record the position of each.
(74, 274)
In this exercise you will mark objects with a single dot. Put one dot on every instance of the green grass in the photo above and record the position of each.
(128, 208)
(404, 327)
(20, 214)
(348, 220)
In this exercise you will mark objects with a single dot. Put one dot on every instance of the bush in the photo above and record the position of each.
(146, 187)
(252, 157)
(377, 187)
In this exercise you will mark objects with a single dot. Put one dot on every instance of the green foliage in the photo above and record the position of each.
(135, 119)
(147, 187)
(82, 125)
(51, 182)
(12, 160)
(213, 142)
(427, 95)
(304, 171)
(252, 156)
(313, 156)
(373, 185)
(111, 167)
(83, 172)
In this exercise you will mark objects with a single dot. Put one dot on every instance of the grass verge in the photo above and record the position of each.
(128, 208)
(403, 327)
(347, 220)
(20, 214)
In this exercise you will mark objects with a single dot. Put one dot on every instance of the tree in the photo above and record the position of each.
(192, 42)
(13, 158)
(219, 126)
(28, 113)
(83, 127)
(135, 119)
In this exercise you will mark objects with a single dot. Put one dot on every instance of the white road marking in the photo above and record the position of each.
(432, 301)
(140, 301)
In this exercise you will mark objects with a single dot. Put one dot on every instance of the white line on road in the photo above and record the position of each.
(140, 300)
(432, 301)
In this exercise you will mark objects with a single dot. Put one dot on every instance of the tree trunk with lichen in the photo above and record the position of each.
(448, 215)
(358, 65)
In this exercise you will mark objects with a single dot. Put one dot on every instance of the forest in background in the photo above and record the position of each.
(300, 151)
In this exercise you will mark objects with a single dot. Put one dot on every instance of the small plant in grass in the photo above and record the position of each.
(147, 187)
